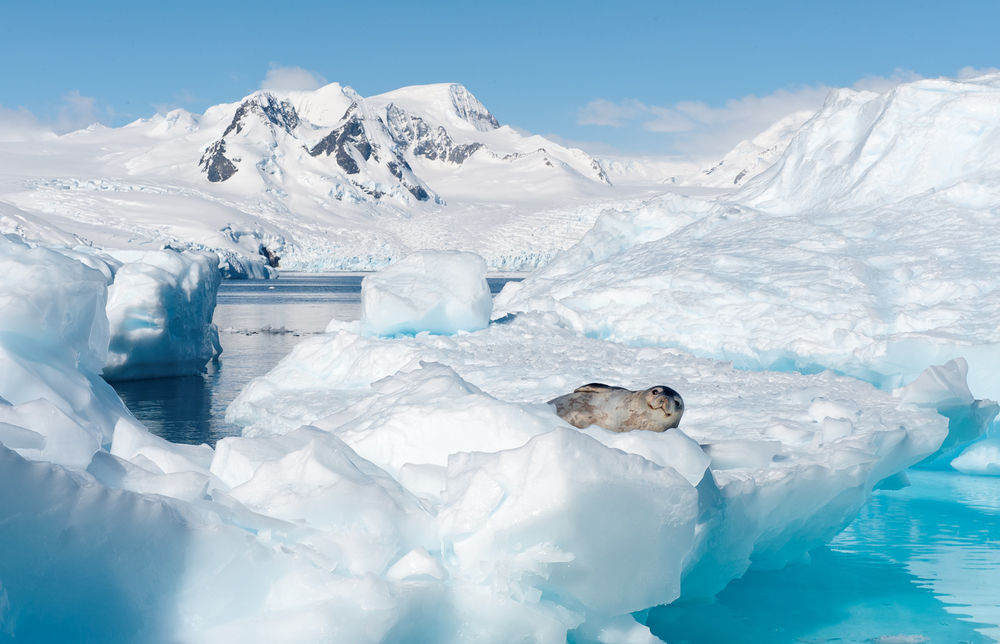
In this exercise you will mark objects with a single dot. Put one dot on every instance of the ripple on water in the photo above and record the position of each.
(920, 564)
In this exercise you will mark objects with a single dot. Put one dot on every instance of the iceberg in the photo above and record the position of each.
(54, 337)
(415, 486)
(764, 467)
(433, 291)
(160, 307)
(982, 457)
(433, 494)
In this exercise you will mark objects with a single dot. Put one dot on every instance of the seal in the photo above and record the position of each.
(656, 409)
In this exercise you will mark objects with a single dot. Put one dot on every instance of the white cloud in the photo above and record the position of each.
(700, 130)
(608, 113)
(973, 72)
(73, 112)
(291, 79)
(666, 119)
(19, 125)
(78, 111)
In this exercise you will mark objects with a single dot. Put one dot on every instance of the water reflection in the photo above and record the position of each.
(176, 407)
(919, 565)
(948, 528)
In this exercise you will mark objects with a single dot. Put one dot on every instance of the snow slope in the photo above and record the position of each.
(869, 248)
(922, 145)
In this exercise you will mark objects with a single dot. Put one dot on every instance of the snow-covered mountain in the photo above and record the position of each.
(329, 180)
(365, 146)
(324, 179)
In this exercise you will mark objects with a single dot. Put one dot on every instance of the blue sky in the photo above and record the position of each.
(638, 77)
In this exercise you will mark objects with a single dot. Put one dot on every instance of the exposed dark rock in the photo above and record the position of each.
(418, 192)
(412, 132)
(342, 140)
(460, 153)
(346, 161)
(271, 257)
(349, 143)
(279, 113)
(374, 193)
(599, 169)
(215, 163)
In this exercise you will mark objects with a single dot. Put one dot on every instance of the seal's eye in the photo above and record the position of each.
(657, 391)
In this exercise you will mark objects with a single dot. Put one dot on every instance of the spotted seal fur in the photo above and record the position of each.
(656, 409)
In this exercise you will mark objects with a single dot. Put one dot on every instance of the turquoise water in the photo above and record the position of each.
(921, 564)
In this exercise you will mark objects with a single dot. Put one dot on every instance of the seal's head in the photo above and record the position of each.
(668, 400)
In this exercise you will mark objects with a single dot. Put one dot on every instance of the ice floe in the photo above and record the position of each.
(160, 307)
(764, 467)
(433, 291)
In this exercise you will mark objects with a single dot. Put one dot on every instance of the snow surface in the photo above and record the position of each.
(433, 291)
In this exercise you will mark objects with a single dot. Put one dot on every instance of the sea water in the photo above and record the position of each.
(259, 321)
(921, 564)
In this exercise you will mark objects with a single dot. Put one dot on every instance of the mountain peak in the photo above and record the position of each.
(280, 113)
(448, 104)
(470, 109)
